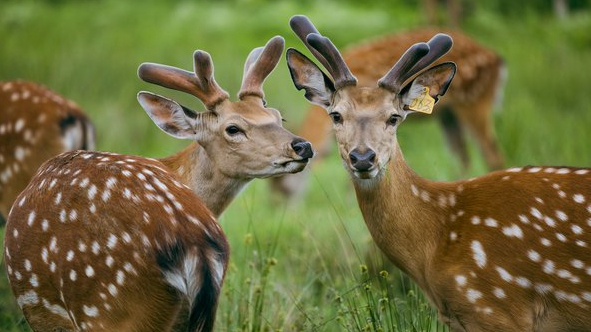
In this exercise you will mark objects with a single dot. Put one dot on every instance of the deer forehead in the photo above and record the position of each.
(252, 113)
(365, 100)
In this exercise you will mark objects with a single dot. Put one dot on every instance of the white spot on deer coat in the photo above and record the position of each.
(95, 248)
(576, 229)
(28, 298)
(73, 275)
(34, 281)
(461, 280)
(490, 222)
(475, 220)
(504, 274)
(548, 267)
(578, 198)
(120, 277)
(109, 261)
(90, 311)
(473, 295)
(112, 241)
(56, 309)
(536, 213)
(561, 215)
(576, 263)
(89, 271)
(31, 219)
(499, 293)
(513, 231)
(112, 289)
(534, 256)
(92, 191)
(478, 254)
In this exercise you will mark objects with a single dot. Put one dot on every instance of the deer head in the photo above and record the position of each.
(365, 119)
(244, 139)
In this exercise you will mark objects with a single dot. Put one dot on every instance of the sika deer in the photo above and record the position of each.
(508, 251)
(467, 107)
(108, 242)
(35, 124)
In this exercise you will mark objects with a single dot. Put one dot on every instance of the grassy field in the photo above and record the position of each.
(302, 266)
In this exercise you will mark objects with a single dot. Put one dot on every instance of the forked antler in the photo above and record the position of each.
(418, 57)
(200, 84)
(259, 64)
(324, 51)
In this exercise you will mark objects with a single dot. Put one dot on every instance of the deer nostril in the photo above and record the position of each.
(362, 161)
(302, 148)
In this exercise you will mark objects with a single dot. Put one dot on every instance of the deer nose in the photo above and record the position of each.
(362, 161)
(302, 148)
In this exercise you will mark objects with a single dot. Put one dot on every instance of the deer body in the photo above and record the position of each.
(486, 263)
(508, 251)
(36, 124)
(108, 242)
(126, 271)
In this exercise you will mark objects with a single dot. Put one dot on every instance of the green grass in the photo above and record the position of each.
(297, 267)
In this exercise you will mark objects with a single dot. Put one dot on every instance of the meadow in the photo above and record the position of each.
(308, 265)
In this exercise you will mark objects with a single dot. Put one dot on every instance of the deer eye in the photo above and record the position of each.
(336, 117)
(393, 119)
(233, 130)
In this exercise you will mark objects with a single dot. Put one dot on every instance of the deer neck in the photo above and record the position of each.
(196, 170)
(403, 213)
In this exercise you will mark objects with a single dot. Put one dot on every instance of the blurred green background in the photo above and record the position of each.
(296, 267)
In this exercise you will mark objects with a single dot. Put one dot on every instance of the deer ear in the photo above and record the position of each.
(174, 119)
(423, 92)
(306, 75)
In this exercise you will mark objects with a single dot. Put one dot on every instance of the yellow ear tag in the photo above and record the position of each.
(423, 103)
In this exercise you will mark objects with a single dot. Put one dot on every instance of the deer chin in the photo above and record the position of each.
(290, 165)
(366, 175)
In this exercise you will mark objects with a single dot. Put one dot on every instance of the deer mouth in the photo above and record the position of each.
(292, 165)
(365, 175)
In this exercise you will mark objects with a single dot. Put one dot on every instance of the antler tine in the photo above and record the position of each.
(259, 64)
(339, 70)
(420, 56)
(439, 45)
(302, 26)
(394, 79)
(200, 84)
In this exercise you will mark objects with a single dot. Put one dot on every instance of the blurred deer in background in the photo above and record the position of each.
(508, 251)
(36, 124)
(471, 99)
(107, 242)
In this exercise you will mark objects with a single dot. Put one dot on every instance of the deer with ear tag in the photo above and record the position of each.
(508, 251)
(107, 242)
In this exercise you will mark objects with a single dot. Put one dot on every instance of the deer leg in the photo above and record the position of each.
(454, 136)
(479, 122)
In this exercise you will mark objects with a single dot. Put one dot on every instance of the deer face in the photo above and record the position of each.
(365, 119)
(244, 139)
(365, 122)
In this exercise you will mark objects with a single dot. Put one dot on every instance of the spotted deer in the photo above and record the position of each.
(107, 242)
(468, 105)
(36, 124)
(508, 251)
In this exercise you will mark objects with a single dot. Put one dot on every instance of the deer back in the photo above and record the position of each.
(35, 125)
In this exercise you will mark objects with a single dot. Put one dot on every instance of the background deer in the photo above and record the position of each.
(508, 251)
(35, 124)
(109, 242)
(468, 106)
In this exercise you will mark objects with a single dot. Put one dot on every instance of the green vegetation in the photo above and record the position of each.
(296, 267)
